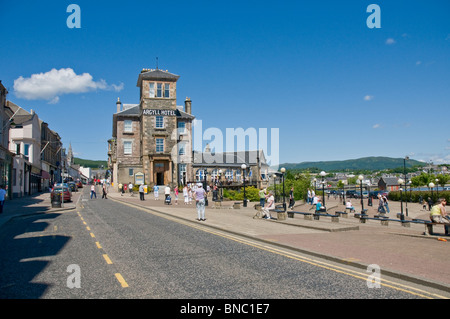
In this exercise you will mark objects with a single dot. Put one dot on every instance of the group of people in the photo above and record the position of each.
(104, 190)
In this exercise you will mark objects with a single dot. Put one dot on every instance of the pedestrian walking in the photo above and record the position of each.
(262, 197)
(386, 204)
(130, 189)
(104, 191)
(121, 189)
(291, 199)
(199, 196)
(175, 191)
(93, 193)
(141, 192)
(156, 192)
(185, 195)
(2, 197)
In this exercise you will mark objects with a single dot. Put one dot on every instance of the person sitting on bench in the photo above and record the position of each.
(319, 207)
(270, 204)
(438, 213)
(349, 205)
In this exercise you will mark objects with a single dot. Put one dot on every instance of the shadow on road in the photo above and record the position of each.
(24, 245)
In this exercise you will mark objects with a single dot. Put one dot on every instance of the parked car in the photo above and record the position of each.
(358, 194)
(350, 194)
(79, 184)
(57, 192)
(73, 186)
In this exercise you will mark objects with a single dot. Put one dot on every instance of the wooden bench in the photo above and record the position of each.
(307, 216)
(334, 218)
(429, 226)
(237, 205)
(343, 214)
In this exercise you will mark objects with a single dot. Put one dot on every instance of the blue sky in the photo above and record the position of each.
(334, 88)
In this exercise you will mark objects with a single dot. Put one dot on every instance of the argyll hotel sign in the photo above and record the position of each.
(158, 112)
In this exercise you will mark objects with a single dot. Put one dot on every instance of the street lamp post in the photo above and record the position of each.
(243, 166)
(360, 178)
(400, 182)
(220, 185)
(431, 186)
(322, 173)
(283, 170)
(404, 173)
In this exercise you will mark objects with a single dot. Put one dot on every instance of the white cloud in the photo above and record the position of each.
(50, 85)
(368, 97)
(418, 62)
(390, 41)
(376, 125)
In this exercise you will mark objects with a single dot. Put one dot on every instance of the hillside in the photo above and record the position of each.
(90, 163)
(365, 163)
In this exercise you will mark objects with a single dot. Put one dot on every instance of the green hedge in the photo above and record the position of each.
(250, 192)
(414, 196)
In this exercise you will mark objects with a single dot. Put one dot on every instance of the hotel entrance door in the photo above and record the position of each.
(160, 172)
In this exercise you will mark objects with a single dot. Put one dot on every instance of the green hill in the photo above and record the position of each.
(90, 163)
(365, 163)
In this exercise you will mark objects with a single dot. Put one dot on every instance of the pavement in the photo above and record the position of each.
(403, 252)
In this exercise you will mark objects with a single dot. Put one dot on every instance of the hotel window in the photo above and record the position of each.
(152, 90)
(127, 147)
(130, 172)
(127, 126)
(181, 127)
(166, 90)
(158, 89)
(159, 122)
(182, 149)
(159, 145)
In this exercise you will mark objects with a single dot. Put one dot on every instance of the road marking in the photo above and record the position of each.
(108, 261)
(98, 245)
(88, 228)
(386, 283)
(121, 280)
(92, 235)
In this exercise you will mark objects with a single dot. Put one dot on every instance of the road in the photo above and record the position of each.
(105, 249)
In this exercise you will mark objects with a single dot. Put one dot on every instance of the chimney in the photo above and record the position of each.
(119, 105)
(187, 105)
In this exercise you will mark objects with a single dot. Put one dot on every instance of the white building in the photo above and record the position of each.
(25, 143)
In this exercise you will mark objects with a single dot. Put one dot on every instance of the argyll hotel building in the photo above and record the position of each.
(152, 141)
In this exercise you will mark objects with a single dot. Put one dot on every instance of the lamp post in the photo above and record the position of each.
(400, 182)
(437, 188)
(404, 173)
(360, 178)
(243, 166)
(220, 185)
(283, 170)
(431, 185)
(369, 199)
(322, 173)
(204, 186)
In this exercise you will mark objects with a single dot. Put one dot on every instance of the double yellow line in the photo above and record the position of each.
(355, 274)
(108, 260)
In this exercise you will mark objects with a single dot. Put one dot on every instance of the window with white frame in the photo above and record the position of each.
(127, 126)
(229, 175)
(159, 122)
(181, 127)
(182, 149)
(127, 147)
(159, 145)
(151, 91)
(159, 91)
(166, 90)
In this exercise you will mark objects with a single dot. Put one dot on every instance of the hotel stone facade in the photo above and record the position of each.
(152, 142)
